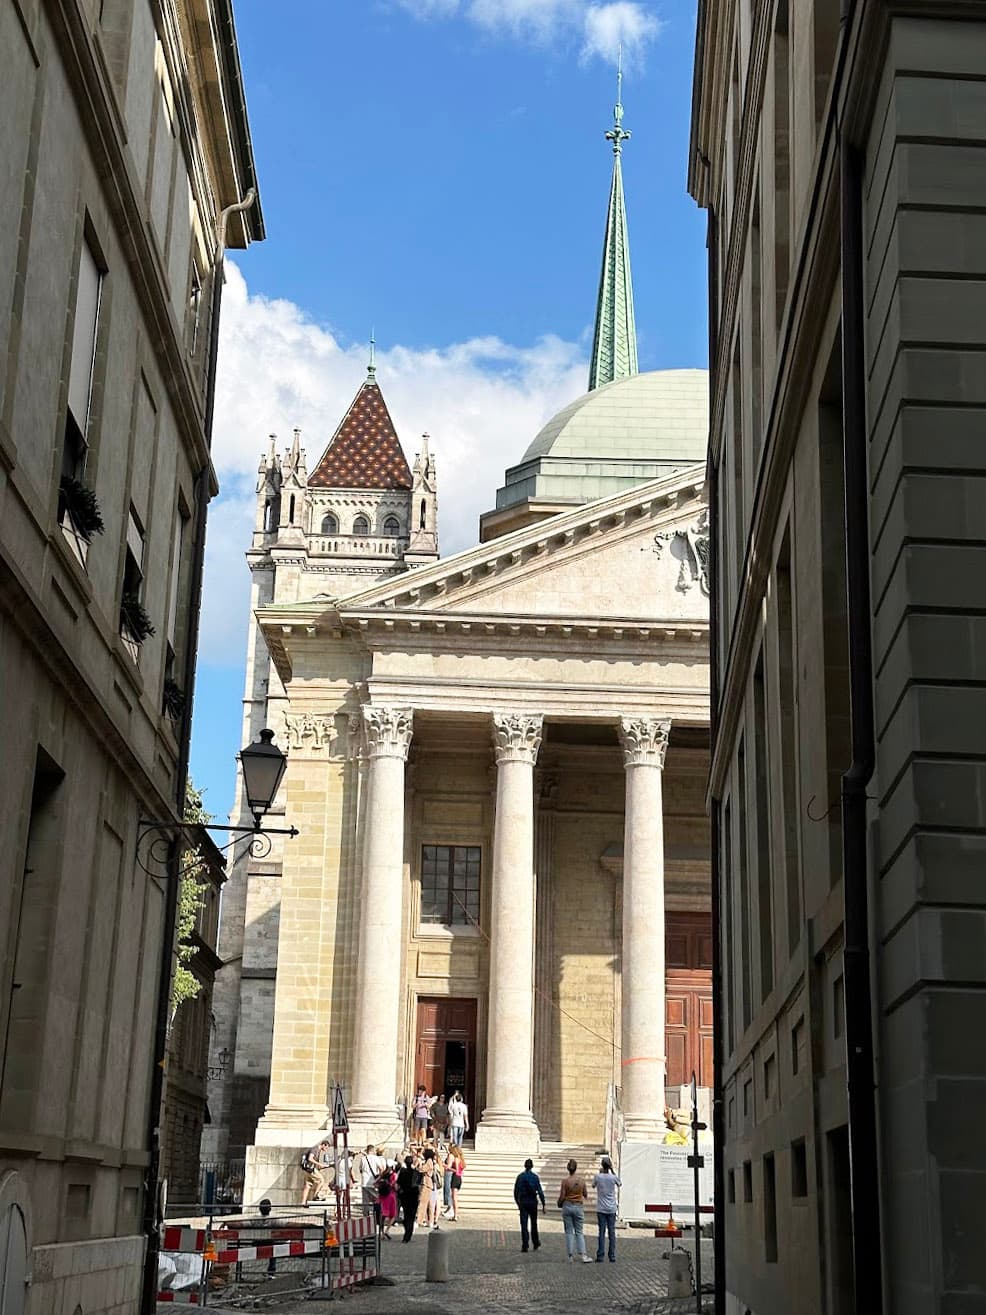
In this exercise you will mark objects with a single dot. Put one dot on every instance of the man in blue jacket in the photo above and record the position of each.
(527, 1192)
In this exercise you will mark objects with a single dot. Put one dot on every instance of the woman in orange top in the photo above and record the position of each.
(571, 1201)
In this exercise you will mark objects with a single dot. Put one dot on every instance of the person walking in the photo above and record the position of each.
(387, 1197)
(606, 1184)
(527, 1192)
(408, 1191)
(571, 1202)
(458, 1112)
(313, 1162)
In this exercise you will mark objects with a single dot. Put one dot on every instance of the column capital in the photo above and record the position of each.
(517, 736)
(388, 731)
(644, 740)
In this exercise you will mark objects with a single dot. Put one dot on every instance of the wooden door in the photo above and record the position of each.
(688, 987)
(445, 1048)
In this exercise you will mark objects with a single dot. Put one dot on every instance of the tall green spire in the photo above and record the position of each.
(614, 345)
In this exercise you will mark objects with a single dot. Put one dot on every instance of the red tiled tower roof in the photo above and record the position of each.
(365, 452)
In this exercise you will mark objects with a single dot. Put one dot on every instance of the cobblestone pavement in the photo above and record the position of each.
(489, 1274)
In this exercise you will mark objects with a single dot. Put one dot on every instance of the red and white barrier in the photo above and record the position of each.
(189, 1298)
(350, 1280)
(176, 1238)
(347, 1230)
(269, 1251)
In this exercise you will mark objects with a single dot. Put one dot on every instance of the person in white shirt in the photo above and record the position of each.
(458, 1118)
(605, 1184)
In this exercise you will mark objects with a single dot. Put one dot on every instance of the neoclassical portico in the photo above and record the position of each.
(501, 795)
(507, 1119)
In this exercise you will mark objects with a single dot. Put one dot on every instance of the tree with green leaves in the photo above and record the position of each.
(191, 890)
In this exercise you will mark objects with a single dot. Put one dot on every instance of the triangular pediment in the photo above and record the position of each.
(640, 553)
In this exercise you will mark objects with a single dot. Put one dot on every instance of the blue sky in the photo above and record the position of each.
(436, 170)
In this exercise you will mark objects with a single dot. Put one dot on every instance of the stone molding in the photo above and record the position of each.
(388, 731)
(309, 731)
(517, 737)
(644, 740)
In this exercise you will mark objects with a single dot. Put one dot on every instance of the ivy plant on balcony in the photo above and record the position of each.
(134, 621)
(78, 503)
(173, 700)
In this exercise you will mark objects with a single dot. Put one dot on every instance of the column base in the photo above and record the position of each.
(379, 1124)
(508, 1131)
(644, 1127)
(291, 1125)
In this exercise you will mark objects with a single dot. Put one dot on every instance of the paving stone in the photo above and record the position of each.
(490, 1274)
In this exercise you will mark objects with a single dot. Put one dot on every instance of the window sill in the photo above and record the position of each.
(435, 931)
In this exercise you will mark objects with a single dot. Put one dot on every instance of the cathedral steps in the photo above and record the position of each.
(488, 1182)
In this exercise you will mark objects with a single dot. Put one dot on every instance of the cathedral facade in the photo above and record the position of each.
(497, 766)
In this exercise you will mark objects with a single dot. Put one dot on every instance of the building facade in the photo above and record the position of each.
(836, 149)
(497, 766)
(123, 138)
(185, 1109)
(362, 516)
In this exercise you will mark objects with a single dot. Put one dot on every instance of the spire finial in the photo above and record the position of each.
(614, 347)
(371, 369)
(618, 134)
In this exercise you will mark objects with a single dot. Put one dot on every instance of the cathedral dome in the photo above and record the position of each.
(612, 438)
(660, 416)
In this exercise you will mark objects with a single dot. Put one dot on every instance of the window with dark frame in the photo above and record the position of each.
(450, 876)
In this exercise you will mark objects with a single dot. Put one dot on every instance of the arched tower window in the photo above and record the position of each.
(361, 525)
(392, 526)
(330, 524)
(291, 511)
(421, 522)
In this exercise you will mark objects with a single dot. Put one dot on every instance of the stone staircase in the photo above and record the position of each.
(488, 1182)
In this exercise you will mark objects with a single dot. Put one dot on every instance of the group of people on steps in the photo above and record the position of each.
(421, 1188)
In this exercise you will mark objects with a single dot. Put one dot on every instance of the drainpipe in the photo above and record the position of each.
(718, 1122)
(153, 1139)
(860, 1067)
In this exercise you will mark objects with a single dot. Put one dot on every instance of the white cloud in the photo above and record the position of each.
(482, 402)
(608, 27)
(601, 28)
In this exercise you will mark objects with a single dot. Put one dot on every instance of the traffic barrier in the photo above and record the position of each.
(267, 1251)
(190, 1298)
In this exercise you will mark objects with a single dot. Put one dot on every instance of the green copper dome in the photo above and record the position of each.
(614, 437)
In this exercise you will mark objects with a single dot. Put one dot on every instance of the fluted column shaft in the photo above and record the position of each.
(507, 1118)
(378, 980)
(644, 741)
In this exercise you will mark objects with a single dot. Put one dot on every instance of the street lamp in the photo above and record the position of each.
(263, 766)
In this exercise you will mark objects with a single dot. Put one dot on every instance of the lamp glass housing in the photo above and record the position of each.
(263, 765)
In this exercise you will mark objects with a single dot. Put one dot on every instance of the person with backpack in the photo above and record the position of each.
(527, 1191)
(387, 1197)
(408, 1190)
(312, 1162)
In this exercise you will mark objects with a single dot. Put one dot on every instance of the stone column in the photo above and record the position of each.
(508, 1122)
(378, 977)
(645, 742)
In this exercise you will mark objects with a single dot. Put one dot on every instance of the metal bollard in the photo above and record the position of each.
(436, 1268)
(679, 1274)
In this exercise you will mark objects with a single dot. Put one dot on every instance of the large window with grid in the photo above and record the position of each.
(450, 884)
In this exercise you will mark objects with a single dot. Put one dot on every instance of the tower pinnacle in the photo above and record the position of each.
(614, 344)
